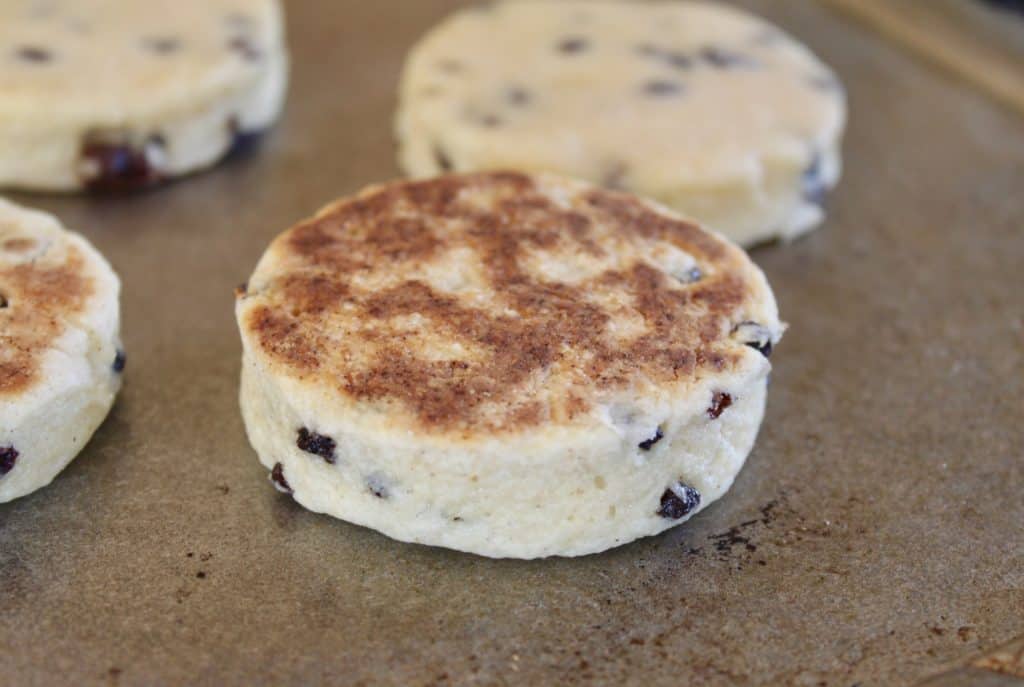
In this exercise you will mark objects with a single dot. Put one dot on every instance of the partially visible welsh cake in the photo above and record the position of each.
(700, 106)
(60, 354)
(110, 95)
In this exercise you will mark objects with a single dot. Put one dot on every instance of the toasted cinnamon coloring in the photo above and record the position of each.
(42, 296)
(495, 300)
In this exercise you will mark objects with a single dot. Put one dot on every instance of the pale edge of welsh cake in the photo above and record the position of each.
(709, 110)
(591, 481)
(164, 94)
(60, 354)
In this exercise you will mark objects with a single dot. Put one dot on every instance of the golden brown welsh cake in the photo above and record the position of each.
(60, 360)
(506, 364)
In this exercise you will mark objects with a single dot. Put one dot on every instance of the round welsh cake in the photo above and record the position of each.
(512, 365)
(121, 94)
(60, 357)
(707, 109)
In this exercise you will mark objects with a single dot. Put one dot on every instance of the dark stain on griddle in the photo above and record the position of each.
(742, 536)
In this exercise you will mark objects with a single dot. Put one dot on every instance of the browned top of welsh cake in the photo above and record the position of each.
(43, 286)
(497, 301)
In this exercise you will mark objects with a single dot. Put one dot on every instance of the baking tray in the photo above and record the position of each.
(876, 535)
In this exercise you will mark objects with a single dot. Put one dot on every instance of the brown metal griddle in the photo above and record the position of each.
(876, 535)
